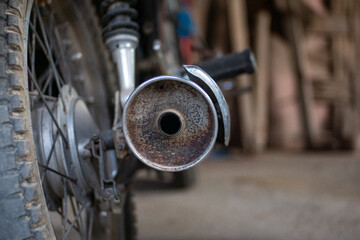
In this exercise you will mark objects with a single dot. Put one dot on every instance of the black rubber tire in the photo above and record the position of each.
(126, 222)
(185, 179)
(23, 210)
(130, 217)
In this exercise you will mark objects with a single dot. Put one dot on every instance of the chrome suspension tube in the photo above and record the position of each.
(121, 36)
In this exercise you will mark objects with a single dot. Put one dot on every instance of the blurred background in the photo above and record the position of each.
(292, 170)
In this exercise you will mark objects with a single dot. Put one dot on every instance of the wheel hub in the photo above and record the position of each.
(60, 145)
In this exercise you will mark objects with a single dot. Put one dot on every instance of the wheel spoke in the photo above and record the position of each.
(51, 27)
(50, 55)
(62, 56)
(48, 108)
(39, 41)
(50, 154)
(44, 76)
(48, 80)
(86, 205)
(74, 212)
(67, 220)
(81, 220)
(45, 50)
(65, 210)
(58, 173)
(47, 97)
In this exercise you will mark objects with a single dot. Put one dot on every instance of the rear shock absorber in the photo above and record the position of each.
(121, 36)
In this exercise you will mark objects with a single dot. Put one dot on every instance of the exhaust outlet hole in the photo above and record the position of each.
(169, 123)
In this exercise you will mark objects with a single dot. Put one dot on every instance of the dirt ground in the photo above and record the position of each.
(270, 196)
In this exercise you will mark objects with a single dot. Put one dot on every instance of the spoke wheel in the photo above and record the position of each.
(65, 81)
(55, 70)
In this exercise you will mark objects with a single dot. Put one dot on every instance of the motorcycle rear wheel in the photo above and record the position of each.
(23, 206)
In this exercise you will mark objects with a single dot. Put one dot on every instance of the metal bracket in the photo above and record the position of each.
(109, 188)
(117, 129)
(201, 78)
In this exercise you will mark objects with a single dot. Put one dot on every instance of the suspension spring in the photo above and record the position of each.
(118, 18)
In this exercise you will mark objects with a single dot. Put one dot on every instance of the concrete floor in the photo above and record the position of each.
(271, 196)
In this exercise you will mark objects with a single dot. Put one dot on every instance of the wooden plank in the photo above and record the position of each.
(331, 91)
(356, 73)
(200, 12)
(239, 38)
(305, 92)
(342, 110)
(330, 24)
(262, 52)
(220, 34)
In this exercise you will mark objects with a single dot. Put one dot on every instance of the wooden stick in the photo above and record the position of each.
(262, 52)
(239, 38)
(304, 87)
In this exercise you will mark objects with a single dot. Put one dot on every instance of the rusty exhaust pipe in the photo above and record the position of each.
(170, 123)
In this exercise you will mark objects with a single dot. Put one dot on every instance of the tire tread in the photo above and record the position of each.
(22, 204)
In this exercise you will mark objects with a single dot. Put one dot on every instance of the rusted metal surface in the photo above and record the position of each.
(197, 129)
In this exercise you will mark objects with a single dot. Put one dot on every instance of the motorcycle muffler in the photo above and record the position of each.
(172, 123)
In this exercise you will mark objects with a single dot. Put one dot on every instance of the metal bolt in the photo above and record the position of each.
(108, 194)
(95, 137)
(76, 57)
(120, 145)
(103, 213)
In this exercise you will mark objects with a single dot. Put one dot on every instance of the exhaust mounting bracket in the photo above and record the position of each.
(201, 78)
